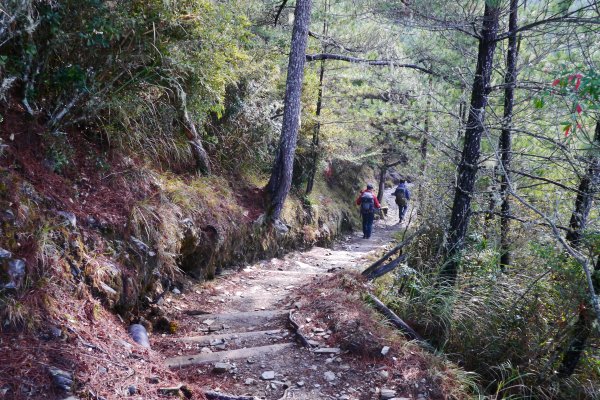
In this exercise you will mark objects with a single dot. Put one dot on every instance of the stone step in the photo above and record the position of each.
(206, 358)
(243, 320)
(315, 271)
(208, 339)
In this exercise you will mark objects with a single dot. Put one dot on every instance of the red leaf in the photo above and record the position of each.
(578, 83)
(579, 109)
(567, 130)
(578, 126)
(556, 82)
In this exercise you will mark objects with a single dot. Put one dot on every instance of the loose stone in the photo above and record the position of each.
(268, 375)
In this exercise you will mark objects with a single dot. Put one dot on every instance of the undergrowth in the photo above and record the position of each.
(508, 327)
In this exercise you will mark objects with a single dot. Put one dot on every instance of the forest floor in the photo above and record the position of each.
(233, 334)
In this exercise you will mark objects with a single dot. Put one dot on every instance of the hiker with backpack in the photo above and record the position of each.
(368, 204)
(402, 197)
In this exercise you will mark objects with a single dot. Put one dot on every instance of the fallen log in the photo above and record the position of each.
(393, 251)
(212, 395)
(408, 332)
(380, 271)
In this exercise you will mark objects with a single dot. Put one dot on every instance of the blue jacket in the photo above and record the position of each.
(403, 187)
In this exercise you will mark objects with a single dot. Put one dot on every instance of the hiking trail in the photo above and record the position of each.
(233, 334)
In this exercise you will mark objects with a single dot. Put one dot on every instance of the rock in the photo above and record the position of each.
(108, 292)
(217, 342)
(69, 217)
(16, 273)
(7, 215)
(221, 367)
(268, 375)
(205, 350)
(250, 381)
(5, 253)
(153, 380)
(187, 392)
(142, 247)
(385, 350)
(280, 227)
(63, 380)
(387, 394)
(174, 391)
(170, 391)
(132, 390)
(384, 374)
(55, 331)
(125, 344)
(330, 376)
(139, 335)
(300, 383)
(176, 291)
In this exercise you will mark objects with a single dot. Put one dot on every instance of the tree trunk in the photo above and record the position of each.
(505, 143)
(316, 132)
(585, 195)
(467, 168)
(381, 186)
(423, 148)
(588, 187)
(198, 152)
(281, 175)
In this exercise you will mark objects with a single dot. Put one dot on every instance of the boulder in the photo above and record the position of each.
(139, 335)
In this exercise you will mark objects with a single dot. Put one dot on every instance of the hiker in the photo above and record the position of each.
(368, 204)
(402, 197)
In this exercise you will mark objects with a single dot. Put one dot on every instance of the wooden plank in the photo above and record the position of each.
(207, 358)
(327, 350)
(393, 251)
(408, 332)
(382, 270)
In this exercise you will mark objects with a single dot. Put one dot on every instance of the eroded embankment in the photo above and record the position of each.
(91, 241)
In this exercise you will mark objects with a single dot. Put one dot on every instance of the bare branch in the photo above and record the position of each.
(355, 60)
(281, 7)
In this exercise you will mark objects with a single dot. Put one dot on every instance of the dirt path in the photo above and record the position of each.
(233, 333)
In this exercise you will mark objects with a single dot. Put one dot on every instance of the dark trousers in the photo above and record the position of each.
(402, 209)
(367, 224)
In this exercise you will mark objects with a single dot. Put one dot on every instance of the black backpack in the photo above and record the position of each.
(367, 203)
(400, 194)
